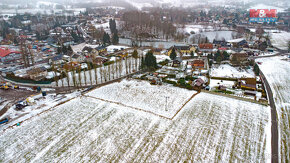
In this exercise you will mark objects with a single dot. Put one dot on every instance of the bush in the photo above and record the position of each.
(108, 63)
(170, 82)
(171, 76)
(188, 86)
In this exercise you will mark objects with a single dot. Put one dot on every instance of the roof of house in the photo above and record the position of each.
(198, 62)
(182, 47)
(240, 54)
(236, 40)
(36, 70)
(206, 46)
(75, 56)
(199, 82)
(4, 52)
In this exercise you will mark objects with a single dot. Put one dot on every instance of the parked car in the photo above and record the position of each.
(21, 104)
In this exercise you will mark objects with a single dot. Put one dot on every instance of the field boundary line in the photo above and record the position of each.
(132, 107)
(184, 105)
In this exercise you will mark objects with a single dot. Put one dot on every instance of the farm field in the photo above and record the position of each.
(276, 71)
(207, 129)
(144, 96)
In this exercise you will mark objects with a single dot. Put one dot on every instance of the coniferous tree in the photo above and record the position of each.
(115, 39)
(173, 54)
(150, 61)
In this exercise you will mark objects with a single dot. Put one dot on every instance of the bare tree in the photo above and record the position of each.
(101, 74)
(96, 74)
(90, 72)
(126, 65)
(109, 71)
(55, 74)
(80, 76)
(120, 68)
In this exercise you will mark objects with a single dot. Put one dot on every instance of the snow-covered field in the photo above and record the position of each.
(163, 100)
(229, 71)
(208, 129)
(277, 71)
(280, 40)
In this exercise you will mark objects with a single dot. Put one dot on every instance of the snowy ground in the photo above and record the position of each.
(229, 71)
(39, 105)
(216, 83)
(277, 71)
(112, 48)
(143, 95)
(280, 40)
(208, 129)
(160, 58)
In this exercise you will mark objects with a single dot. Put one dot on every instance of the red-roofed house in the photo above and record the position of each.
(8, 55)
(206, 47)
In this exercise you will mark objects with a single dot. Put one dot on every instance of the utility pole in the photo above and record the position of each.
(166, 103)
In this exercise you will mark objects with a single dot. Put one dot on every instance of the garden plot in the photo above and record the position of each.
(163, 100)
(208, 129)
(276, 72)
(229, 71)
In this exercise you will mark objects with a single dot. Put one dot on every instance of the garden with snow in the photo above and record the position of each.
(228, 71)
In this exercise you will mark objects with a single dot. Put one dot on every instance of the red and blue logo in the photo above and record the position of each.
(263, 15)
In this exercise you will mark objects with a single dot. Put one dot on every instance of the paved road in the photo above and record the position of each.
(274, 128)
(280, 52)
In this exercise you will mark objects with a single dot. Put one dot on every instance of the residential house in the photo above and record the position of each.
(198, 84)
(248, 84)
(206, 47)
(8, 55)
(157, 51)
(99, 60)
(241, 42)
(77, 58)
(37, 74)
(219, 43)
(56, 60)
(239, 57)
(182, 50)
(176, 62)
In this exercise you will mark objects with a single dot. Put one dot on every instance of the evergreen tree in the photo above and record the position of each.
(113, 27)
(150, 61)
(172, 54)
(192, 54)
(106, 38)
(226, 56)
(64, 49)
(115, 39)
(217, 54)
(135, 56)
(256, 69)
